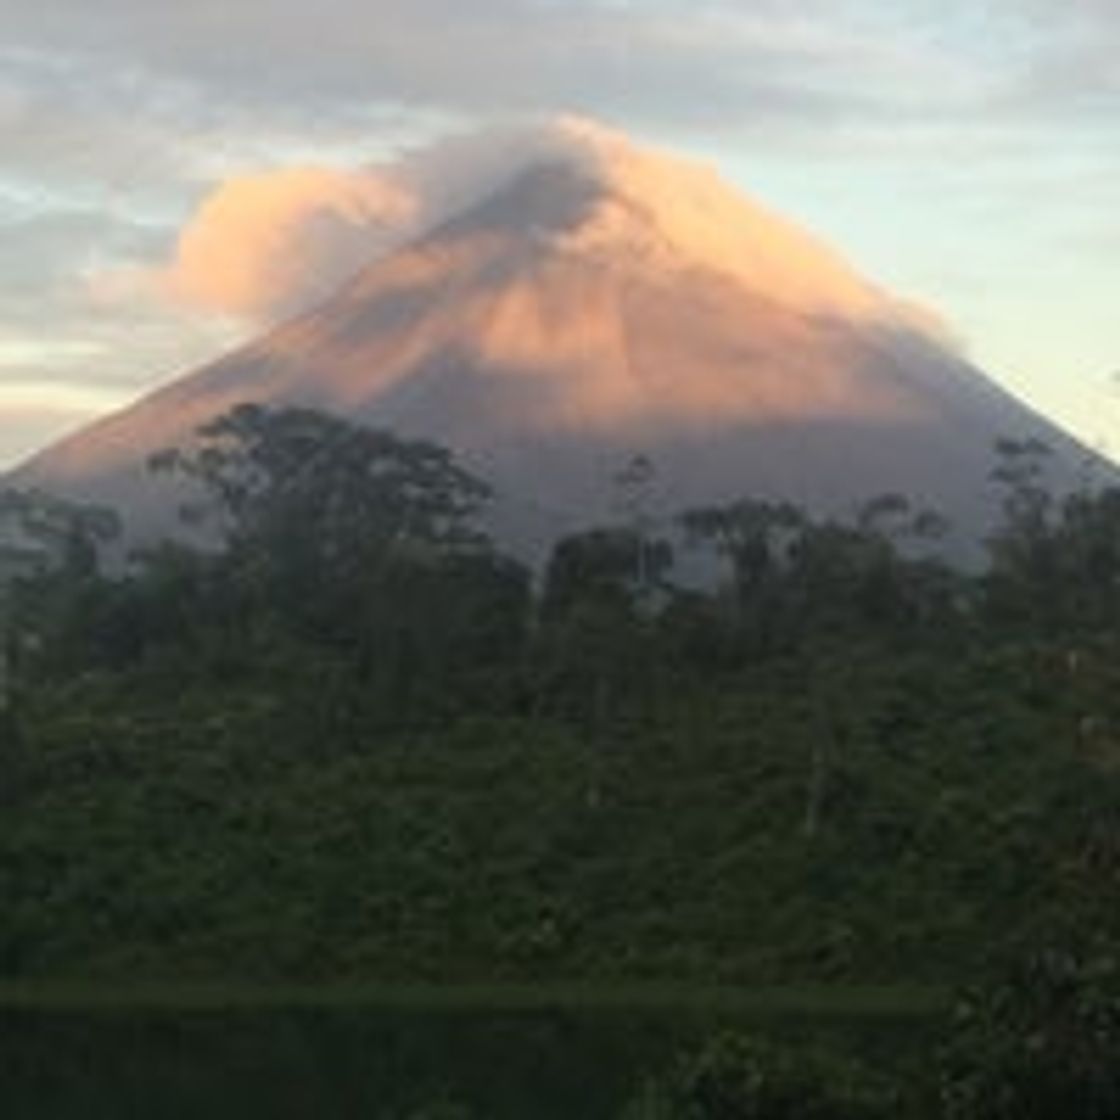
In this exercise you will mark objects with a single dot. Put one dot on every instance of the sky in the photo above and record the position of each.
(964, 153)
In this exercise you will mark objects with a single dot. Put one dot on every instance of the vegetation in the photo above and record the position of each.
(355, 743)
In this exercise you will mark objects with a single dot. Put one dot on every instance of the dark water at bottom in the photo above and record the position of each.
(303, 1063)
(277, 1063)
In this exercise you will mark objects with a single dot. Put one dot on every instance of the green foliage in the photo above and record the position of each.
(612, 569)
(315, 509)
(299, 479)
(57, 534)
(1042, 1043)
(357, 742)
(736, 1077)
(50, 585)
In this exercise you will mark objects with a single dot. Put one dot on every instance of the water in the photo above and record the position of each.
(448, 1062)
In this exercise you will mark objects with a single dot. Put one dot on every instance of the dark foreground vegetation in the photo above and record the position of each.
(358, 747)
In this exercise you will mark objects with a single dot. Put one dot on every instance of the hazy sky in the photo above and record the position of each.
(964, 153)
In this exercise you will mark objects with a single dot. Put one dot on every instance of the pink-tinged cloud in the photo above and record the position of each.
(268, 245)
(264, 246)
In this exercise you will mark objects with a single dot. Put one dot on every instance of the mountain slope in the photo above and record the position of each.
(590, 308)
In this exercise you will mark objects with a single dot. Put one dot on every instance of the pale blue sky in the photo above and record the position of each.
(964, 154)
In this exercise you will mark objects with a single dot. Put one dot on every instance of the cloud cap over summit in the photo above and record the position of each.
(271, 244)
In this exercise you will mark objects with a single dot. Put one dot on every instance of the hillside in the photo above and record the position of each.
(601, 302)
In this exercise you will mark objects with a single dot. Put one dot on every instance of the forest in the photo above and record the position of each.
(348, 741)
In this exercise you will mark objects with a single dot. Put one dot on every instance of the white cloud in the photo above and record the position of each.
(653, 62)
(267, 245)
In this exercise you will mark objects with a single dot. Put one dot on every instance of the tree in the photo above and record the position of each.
(875, 573)
(752, 535)
(50, 552)
(755, 538)
(614, 568)
(737, 1077)
(53, 534)
(634, 483)
(594, 643)
(1087, 549)
(1041, 1043)
(1023, 578)
(312, 508)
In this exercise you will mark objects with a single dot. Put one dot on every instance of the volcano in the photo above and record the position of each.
(600, 302)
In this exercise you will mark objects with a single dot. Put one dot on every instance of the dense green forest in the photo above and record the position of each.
(352, 742)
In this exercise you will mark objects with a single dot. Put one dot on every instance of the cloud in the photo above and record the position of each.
(655, 62)
(74, 137)
(156, 83)
(266, 245)
(63, 396)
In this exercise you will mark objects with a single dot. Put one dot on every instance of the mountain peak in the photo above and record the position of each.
(265, 247)
(573, 298)
(592, 191)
